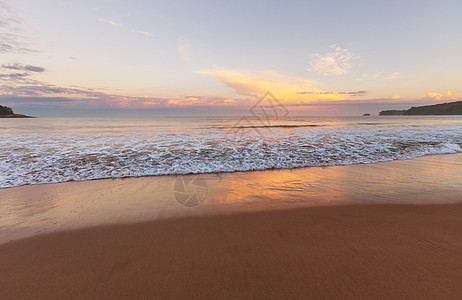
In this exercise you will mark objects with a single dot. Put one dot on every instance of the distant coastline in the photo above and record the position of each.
(450, 108)
(7, 112)
(15, 116)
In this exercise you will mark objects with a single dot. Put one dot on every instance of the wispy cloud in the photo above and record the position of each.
(14, 35)
(184, 50)
(357, 93)
(110, 22)
(333, 63)
(5, 5)
(145, 33)
(18, 66)
(393, 76)
(14, 75)
(11, 78)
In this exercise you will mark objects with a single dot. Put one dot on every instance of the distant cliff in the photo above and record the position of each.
(391, 112)
(451, 108)
(7, 112)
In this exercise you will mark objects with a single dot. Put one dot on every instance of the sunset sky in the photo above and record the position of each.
(77, 58)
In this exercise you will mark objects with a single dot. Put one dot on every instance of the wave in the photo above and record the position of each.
(236, 127)
(280, 126)
(134, 158)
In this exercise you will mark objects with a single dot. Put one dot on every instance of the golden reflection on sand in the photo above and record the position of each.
(30, 210)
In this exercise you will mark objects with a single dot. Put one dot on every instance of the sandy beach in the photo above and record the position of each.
(230, 150)
(342, 252)
(387, 230)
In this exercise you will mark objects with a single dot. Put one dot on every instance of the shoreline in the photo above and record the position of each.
(16, 116)
(229, 172)
(66, 206)
(339, 252)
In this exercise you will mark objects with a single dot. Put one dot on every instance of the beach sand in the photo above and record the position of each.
(31, 210)
(341, 252)
(386, 230)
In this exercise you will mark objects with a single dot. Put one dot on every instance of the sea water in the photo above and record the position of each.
(49, 150)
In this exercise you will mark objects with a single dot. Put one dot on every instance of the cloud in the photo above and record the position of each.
(5, 5)
(363, 102)
(110, 22)
(393, 76)
(145, 33)
(13, 75)
(73, 57)
(13, 32)
(184, 50)
(34, 68)
(298, 95)
(448, 96)
(379, 75)
(42, 100)
(358, 93)
(285, 88)
(17, 66)
(27, 91)
(333, 63)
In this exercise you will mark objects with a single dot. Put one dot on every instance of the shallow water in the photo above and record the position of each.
(48, 150)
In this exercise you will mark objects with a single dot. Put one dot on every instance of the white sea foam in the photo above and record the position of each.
(55, 155)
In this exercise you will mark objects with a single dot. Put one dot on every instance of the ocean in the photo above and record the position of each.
(50, 150)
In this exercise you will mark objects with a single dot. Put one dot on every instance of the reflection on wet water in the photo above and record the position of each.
(30, 210)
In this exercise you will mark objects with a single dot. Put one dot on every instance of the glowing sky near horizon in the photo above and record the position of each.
(63, 57)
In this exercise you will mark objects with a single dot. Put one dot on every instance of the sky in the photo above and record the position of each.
(114, 57)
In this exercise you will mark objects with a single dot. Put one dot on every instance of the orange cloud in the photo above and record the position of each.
(284, 88)
(448, 96)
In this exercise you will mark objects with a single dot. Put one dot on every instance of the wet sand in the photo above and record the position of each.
(387, 230)
(341, 252)
(37, 209)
